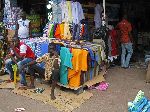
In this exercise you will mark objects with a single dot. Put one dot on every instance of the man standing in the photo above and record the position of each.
(20, 55)
(23, 29)
(126, 41)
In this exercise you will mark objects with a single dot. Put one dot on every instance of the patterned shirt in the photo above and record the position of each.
(49, 64)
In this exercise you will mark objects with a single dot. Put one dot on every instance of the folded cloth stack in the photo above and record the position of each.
(140, 103)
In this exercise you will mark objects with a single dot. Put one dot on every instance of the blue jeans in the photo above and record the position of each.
(126, 50)
(22, 73)
(8, 66)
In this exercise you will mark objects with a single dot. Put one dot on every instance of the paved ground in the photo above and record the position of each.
(124, 85)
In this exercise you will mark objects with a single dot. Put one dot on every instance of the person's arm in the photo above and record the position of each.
(13, 59)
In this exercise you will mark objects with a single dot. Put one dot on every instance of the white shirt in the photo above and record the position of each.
(77, 12)
(23, 31)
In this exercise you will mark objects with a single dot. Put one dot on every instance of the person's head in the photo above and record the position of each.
(16, 41)
(23, 15)
(51, 48)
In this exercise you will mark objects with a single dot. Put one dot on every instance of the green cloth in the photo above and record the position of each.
(66, 62)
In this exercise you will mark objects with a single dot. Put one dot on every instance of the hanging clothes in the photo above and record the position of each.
(57, 11)
(77, 12)
(66, 63)
(97, 16)
(69, 8)
(67, 33)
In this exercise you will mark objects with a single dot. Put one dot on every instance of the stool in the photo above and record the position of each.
(15, 68)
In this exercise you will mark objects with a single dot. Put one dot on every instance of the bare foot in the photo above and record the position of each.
(53, 97)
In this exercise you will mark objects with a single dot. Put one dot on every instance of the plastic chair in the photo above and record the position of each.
(15, 68)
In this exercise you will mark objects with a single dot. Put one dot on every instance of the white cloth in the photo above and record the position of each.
(77, 12)
(97, 16)
(23, 49)
(23, 31)
(65, 15)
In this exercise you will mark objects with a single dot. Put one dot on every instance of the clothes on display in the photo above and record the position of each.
(66, 31)
(97, 16)
(79, 62)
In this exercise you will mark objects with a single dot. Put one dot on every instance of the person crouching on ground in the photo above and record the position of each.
(24, 55)
(52, 65)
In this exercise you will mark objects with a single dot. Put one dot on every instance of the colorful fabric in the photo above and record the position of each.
(66, 63)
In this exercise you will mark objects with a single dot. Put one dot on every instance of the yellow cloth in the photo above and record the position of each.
(69, 8)
(67, 33)
(79, 62)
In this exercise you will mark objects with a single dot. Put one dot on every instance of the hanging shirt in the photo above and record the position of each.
(97, 16)
(125, 27)
(57, 11)
(66, 63)
(77, 12)
(23, 31)
(67, 33)
(64, 9)
(69, 8)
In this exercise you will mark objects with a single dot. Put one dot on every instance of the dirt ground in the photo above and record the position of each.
(124, 85)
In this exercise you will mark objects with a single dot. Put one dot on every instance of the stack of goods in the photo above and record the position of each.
(140, 103)
(35, 24)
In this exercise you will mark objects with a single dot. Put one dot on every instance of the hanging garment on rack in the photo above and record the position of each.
(66, 63)
(77, 12)
(57, 11)
(74, 74)
(67, 33)
(64, 9)
(69, 8)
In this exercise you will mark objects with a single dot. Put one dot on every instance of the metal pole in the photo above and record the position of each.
(104, 6)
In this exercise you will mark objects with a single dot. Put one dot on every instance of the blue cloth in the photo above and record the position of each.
(125, 60)
(58, 48)
(9, 70)
(21, 72)
(66, 63)
(92, 56)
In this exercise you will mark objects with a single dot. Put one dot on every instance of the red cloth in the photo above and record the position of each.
(125, 27)
(113, 35)
(24, 50)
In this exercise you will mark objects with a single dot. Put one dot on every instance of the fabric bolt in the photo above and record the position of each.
(23, 31)
(49, 63)
(77, 12)
(97, 17)
(66, 63)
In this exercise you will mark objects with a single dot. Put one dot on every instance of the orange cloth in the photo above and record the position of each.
(59, 33)
(84, 60)
(79, 62)
(125, 28)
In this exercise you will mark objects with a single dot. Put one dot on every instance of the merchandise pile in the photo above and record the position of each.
(140, 103)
